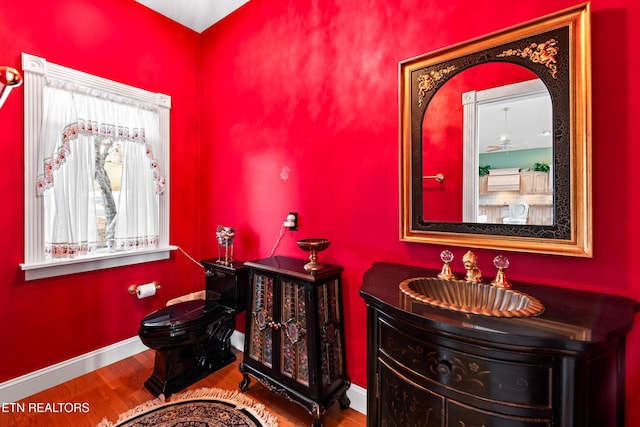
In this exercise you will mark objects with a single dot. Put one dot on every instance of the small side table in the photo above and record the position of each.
(294, 335)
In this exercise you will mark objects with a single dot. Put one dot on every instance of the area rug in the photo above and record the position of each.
(205, 407)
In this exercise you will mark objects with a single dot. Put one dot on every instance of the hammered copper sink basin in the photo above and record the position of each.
(474, 298)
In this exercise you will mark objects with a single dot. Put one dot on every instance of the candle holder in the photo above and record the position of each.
(225, 237)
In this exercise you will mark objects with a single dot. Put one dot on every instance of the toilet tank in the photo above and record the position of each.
(227, 284)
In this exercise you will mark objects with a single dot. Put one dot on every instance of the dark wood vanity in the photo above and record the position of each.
(430, 367)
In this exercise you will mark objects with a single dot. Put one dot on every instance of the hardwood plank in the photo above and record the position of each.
(109, 391)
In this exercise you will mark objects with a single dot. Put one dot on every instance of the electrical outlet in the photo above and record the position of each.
(292, 221)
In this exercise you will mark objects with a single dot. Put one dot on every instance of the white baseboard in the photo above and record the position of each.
(358, 397)
(237, 340)
(51, 376)
(37, 381)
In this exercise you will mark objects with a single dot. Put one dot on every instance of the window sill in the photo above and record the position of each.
(55, 268)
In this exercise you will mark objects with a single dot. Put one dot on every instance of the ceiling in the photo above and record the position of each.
(526, 124)
(195, 14)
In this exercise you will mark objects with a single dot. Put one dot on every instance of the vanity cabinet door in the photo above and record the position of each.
(403, 403)
(483, 185)
(526, 182)
(534, 182)
(540, 215)
(541, 182)
(405, 399)
(459, 415)
(426, 380)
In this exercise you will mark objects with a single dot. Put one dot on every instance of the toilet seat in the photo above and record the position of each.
(183, 314)
(182, 324)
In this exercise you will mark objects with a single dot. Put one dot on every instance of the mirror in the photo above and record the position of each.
(495, 148)
(507, 139)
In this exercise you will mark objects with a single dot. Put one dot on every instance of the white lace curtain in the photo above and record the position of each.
(74, 119)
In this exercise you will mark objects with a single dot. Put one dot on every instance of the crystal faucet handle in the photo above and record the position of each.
(501, 262)
(446, 256)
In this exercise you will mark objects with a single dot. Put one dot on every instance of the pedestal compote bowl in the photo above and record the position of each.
(313, 246)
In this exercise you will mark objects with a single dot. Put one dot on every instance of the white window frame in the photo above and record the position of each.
(36, 266)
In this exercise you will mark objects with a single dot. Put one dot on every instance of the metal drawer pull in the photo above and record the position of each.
(444, 367)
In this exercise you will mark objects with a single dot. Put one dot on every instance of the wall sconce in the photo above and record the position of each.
(9, 78)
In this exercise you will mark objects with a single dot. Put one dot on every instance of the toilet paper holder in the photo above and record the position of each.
(133, 289)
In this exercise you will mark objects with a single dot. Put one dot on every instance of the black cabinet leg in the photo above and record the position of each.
(344, 402)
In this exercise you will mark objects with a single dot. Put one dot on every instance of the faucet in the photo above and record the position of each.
(474, 275)
(470, 261)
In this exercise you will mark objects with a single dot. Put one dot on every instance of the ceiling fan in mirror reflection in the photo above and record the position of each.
(505, 142)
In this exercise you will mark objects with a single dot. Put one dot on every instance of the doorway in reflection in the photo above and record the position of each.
(512, 135)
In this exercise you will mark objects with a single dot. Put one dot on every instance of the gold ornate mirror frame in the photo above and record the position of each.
(557, 49)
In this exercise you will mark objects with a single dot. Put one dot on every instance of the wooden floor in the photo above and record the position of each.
(114, 389)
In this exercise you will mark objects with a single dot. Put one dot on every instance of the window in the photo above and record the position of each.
(96, 158)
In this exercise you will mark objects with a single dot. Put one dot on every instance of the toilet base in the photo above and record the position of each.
(177, 368)
(183, 374)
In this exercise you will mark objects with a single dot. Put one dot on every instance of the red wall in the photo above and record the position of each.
(48, 321)
(315, 89)
(293, 107)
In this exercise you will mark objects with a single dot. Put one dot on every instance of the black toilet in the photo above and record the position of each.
(192, 339)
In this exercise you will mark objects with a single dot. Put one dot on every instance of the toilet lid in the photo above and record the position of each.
(184, 313)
